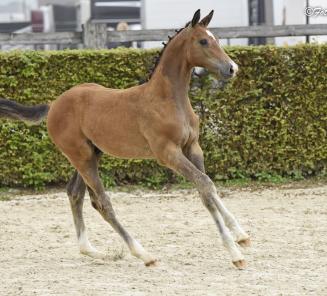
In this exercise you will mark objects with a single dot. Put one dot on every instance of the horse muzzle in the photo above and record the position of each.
(228, 70)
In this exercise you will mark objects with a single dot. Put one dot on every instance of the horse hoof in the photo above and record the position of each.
(152, 263)
(244, 242)
(240, 264)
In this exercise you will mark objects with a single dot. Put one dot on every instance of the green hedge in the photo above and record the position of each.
(270, 120)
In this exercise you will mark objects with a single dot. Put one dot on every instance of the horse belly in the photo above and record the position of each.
(119, 140)
(125, 149)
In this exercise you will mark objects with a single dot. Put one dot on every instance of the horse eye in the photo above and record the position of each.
(203, 42)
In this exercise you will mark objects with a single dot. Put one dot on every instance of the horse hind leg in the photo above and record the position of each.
(101, 202)
(76, 192)
(84, 158)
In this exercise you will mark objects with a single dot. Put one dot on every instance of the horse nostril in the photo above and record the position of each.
(231, 69)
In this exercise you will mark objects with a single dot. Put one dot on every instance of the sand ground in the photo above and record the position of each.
(288, 256)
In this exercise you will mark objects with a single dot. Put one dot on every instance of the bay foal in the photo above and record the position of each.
(154, 120)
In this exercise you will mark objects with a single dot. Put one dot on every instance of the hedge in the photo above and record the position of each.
(270, 120)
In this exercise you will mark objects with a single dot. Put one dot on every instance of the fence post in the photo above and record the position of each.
(95, 35)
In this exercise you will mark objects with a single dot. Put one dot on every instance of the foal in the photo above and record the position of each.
(154, 120)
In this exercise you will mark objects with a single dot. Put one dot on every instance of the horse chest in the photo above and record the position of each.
(185, 129)
(189, 134)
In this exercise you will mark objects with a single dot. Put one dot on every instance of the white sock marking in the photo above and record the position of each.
(138, 251)
(84, 244)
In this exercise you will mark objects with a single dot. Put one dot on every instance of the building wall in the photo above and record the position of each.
(159, 14)
(16, 10)
(59, 2)
(318, 20)
(292, 12)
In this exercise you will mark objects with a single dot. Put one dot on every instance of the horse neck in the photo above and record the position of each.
(173, 73)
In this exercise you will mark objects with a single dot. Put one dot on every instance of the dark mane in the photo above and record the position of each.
(158, 57)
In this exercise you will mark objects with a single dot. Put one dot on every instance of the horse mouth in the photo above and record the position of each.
(221, 76)
(227, 77)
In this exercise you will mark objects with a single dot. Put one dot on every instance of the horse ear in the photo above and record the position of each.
(196, 18)
(206, 20)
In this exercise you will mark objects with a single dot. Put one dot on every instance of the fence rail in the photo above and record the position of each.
(96, 35)
(224, 33)
(41, 38)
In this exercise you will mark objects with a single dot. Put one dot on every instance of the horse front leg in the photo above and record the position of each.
(195, 155)
(173, 157)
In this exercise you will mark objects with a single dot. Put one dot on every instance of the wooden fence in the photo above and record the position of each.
(95, 35)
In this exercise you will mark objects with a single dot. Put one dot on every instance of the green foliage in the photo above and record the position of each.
(268, 123)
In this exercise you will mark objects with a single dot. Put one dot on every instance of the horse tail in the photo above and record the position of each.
(12, 110)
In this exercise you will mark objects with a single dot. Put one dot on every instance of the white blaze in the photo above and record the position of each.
(210, 34)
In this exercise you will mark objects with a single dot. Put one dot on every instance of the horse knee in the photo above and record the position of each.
(208, 202)
(108, 213)
(205, 185)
